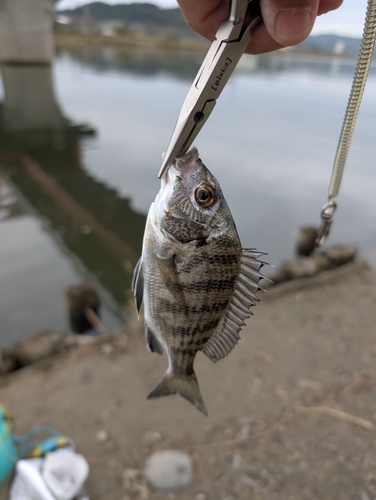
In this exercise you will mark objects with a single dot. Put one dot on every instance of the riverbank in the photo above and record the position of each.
(67, 39)
(292, 411)
(77, 39)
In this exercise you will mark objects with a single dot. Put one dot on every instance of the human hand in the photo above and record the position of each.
(286, 22)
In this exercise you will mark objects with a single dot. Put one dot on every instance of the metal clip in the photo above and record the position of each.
(327, 213)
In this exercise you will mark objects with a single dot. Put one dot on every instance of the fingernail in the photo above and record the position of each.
(292, 26)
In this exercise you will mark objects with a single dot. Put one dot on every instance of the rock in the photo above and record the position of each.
(322, 262)
(301, 267)
(169, 470)
(9, 363)
(7, 366)
(80, 298)
(102, 436)
(38, 346)
(305, 267)
(152, 437)
(306, 240)
(340, 254)
(129, 477)
(107, 349)
(79, 340)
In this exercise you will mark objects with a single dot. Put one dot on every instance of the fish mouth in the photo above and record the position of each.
(183, 166)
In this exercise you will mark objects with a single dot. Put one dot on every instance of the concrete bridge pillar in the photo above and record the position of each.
(29, 100)
(26, 31)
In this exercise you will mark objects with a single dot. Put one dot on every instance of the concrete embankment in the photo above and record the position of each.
(292, 410)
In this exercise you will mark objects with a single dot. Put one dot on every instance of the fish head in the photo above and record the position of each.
(190, 196)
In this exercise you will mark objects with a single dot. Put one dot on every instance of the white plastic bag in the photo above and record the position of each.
(64, 472)
(28, 483)
(59, 476)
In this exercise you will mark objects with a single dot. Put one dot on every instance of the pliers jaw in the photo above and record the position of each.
(224, 54)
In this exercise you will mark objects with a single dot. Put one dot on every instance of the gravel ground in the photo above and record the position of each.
(292, 410)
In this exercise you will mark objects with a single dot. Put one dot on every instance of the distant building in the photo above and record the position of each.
(339, 48)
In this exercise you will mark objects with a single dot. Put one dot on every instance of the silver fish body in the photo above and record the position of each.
(196, 281)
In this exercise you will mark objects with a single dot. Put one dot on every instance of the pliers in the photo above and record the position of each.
(224, 54)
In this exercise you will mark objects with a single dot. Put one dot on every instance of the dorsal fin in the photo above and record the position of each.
(226, 335)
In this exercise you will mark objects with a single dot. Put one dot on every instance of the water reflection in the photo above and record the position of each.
(40, 159)
(137, 61)
(184, 64)
(75, 197)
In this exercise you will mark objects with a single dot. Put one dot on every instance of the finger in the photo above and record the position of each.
(262, 41)
(289, 22)
(328, 5)
(204, 17)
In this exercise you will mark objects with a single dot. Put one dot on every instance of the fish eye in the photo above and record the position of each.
(205, 195)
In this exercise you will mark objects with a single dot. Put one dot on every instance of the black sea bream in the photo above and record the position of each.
(196, 281)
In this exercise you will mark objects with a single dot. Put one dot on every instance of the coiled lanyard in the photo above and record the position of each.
(355, 98)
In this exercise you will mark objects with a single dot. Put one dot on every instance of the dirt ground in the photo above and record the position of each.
(292, 410)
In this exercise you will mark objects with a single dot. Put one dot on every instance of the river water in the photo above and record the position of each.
(80, 148)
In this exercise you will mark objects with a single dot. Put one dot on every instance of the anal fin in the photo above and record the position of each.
(152, 342)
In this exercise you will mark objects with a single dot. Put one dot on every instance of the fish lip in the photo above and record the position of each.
(183, 166)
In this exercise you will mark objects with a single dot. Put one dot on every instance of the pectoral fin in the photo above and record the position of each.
(226, 335)
(138, 284)
(170, 277)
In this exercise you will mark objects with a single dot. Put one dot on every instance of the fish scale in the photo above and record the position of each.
(196, 281)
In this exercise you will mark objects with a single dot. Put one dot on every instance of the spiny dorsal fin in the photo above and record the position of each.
(138, 284)
(226, 335)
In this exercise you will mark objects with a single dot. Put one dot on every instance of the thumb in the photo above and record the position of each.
(289, 22)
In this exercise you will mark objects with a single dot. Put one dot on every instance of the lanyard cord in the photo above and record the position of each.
(355, 98)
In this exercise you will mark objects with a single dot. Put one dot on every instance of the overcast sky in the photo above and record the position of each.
(347, 20)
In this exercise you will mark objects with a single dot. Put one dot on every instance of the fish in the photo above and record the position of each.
(194, 278)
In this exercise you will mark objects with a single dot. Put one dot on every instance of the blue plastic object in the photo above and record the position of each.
(50, 444)
(8, 453)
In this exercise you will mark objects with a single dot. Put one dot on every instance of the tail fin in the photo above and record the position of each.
(187, 388)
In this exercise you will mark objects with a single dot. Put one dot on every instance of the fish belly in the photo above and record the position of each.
(186, 303)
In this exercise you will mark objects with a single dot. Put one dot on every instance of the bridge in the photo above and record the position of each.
(40, 157)
(26, 31)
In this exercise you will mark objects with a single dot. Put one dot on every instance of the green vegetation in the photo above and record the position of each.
(145, 13)
(172, 36)
(124, 30)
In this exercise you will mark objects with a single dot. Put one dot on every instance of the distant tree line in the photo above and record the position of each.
(145, 13)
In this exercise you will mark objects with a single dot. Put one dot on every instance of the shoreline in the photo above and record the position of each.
(77, 39)
(87, 343)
